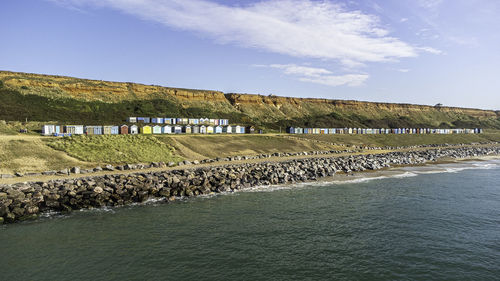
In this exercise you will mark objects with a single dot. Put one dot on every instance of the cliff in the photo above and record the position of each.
(88, 98)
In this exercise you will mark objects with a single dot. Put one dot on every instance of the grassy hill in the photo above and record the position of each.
(72, 100)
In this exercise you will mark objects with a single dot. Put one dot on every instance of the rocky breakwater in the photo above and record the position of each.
(27, 200)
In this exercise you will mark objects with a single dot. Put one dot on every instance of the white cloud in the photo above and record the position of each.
(404, 70)
(348, 80)
(430, 50)
(319, 75)
(299, 28)
(403, 20)
(292, 69)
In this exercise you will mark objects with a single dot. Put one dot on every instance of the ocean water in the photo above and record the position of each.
(439, 222)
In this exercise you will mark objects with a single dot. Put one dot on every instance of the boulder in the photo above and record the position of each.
(63, 172)
(109, 167)
(75, 170)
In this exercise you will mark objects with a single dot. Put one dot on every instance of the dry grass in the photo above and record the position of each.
(31, 154)
(211, 146)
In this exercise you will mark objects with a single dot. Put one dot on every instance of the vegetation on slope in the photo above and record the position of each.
(31, 154)
(212, 146)
(73, 100)
(115, 148)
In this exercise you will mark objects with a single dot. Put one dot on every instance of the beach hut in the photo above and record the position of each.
(203, 129)
(146, 130)
(299, 130)
(249, 129)
(115, 130)
(195, 129)
(132, 119)
(106, 130)
(187, 129)
(210, 129)
(157, 120)
(193, 121)
(224, 122)
(211, 121)
(157, 129)
(218, 129)
(167, 129)
(73, 129)
(94, 130)
(216, 122)
(323, 131)
(48, 130)
(123, 130)
(98, 130)
(226, 129)
(290, 130)
(236, 129)
(242, 130)
(88, 130)
(170, 121)
(177, 129)
(134, 130)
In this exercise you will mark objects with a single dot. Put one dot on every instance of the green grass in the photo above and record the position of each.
(404, 140)
(115, 148)
(31, 154)
(15, 106)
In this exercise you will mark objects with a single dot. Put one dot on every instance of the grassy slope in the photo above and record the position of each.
(73, 100)
(25, 153)
(404, 140)
(115, 149)
(15, 106)
(31, 154)
(200, 147)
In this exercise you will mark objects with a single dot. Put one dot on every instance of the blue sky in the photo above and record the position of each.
(406, 51)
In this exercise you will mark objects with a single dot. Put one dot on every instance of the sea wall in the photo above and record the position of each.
(27, 200)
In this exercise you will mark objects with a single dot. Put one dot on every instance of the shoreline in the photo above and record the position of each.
(27, 200)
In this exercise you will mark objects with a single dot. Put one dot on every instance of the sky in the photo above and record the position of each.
(404, 51)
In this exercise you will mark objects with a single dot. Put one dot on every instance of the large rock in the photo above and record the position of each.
(75, 170)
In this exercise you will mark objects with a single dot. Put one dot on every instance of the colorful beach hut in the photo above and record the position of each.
(123, 130)
(146, 130)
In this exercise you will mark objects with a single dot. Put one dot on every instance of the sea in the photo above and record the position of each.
(432, 222)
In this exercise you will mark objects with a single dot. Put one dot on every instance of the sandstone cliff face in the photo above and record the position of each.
(265, 108)
(84, 89)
